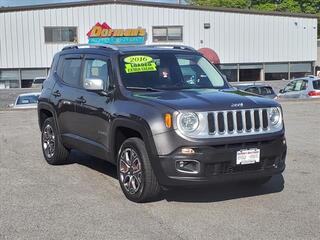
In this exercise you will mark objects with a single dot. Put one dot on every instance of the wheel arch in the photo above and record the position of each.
(124, 128)
(45, 110)
(139, 126)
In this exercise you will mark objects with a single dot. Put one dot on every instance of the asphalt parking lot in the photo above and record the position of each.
(82, 200)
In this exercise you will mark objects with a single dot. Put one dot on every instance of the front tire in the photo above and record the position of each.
(136, 177)
(53, 150)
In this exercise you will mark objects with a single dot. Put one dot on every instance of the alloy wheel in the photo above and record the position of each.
(48, 141)
(130, 170)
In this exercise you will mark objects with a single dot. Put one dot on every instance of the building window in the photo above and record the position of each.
(60, 34)
(230, 71)
(9, 79)
(167, 34)
(29, 75)
(250, 72)
(298, 70)
(274, 71)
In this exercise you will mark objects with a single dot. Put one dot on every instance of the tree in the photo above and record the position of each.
(294, 6)
(221, 3)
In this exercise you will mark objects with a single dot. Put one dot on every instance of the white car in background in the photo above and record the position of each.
(38, 81)
(307, 87)
(26, 101)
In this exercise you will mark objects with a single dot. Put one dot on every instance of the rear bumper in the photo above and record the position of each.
(218, 163)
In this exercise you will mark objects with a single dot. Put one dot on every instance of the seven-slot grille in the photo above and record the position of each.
(238, 121)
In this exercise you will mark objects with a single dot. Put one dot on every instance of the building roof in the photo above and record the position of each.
(151, 4)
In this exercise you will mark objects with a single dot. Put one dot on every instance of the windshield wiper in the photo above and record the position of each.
(148, 89)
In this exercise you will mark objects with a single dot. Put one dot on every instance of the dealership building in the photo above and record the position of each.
(249, 45)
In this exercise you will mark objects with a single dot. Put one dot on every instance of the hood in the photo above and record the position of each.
(206, 99)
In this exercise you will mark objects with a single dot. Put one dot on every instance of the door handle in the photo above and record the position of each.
(81, 100)
(56, 93)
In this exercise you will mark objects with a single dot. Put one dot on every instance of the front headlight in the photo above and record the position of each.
(275, 116)
(188, 122)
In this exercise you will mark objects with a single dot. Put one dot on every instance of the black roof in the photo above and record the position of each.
(151, 4)
(89, 48)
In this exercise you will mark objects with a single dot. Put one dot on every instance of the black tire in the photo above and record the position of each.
(258, 181)
(148, 188)
(53, 150)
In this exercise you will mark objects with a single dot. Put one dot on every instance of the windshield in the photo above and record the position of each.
(169, 71)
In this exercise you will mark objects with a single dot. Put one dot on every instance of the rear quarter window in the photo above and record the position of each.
(316, 84)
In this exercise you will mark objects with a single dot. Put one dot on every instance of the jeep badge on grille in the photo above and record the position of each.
(237, 105)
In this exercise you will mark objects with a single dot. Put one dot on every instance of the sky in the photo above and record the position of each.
(8, 3)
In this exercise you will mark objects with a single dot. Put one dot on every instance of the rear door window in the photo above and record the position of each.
(304, 85)
(71, 71)
(297, 86)
(300, 85)
(316, 84)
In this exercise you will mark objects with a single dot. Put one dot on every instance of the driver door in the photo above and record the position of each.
(93, 109)
(289, 90)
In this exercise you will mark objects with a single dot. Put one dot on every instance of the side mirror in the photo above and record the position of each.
(93, 84)
(281, 91)
(11, 105)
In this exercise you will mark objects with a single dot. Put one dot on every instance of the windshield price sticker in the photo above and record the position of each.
(136, 64)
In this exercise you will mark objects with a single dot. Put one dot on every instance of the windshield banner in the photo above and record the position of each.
(139, 63)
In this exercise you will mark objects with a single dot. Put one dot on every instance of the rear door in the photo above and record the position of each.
(302, 89)
(65, 93)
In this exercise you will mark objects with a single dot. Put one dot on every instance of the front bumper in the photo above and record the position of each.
(218, 163)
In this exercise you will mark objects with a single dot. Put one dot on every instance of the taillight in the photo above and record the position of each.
(313, 93)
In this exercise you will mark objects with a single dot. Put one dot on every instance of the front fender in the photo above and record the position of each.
(141, 126)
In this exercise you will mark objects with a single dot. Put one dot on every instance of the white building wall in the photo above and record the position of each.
(236, 37)
(318, 51)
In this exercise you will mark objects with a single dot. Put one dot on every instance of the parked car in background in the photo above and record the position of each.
(38, 81)
(26, 101)
(259, 89)
(307, 87)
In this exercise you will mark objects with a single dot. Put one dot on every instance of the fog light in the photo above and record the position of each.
(188, 166)
(187, 151)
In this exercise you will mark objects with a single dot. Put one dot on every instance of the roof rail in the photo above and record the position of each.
(182, 47)
(77, 46)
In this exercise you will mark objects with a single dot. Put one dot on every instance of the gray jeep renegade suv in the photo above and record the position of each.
(164, 115)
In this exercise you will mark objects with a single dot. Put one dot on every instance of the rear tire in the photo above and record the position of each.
(53, 150)
(136, 176)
